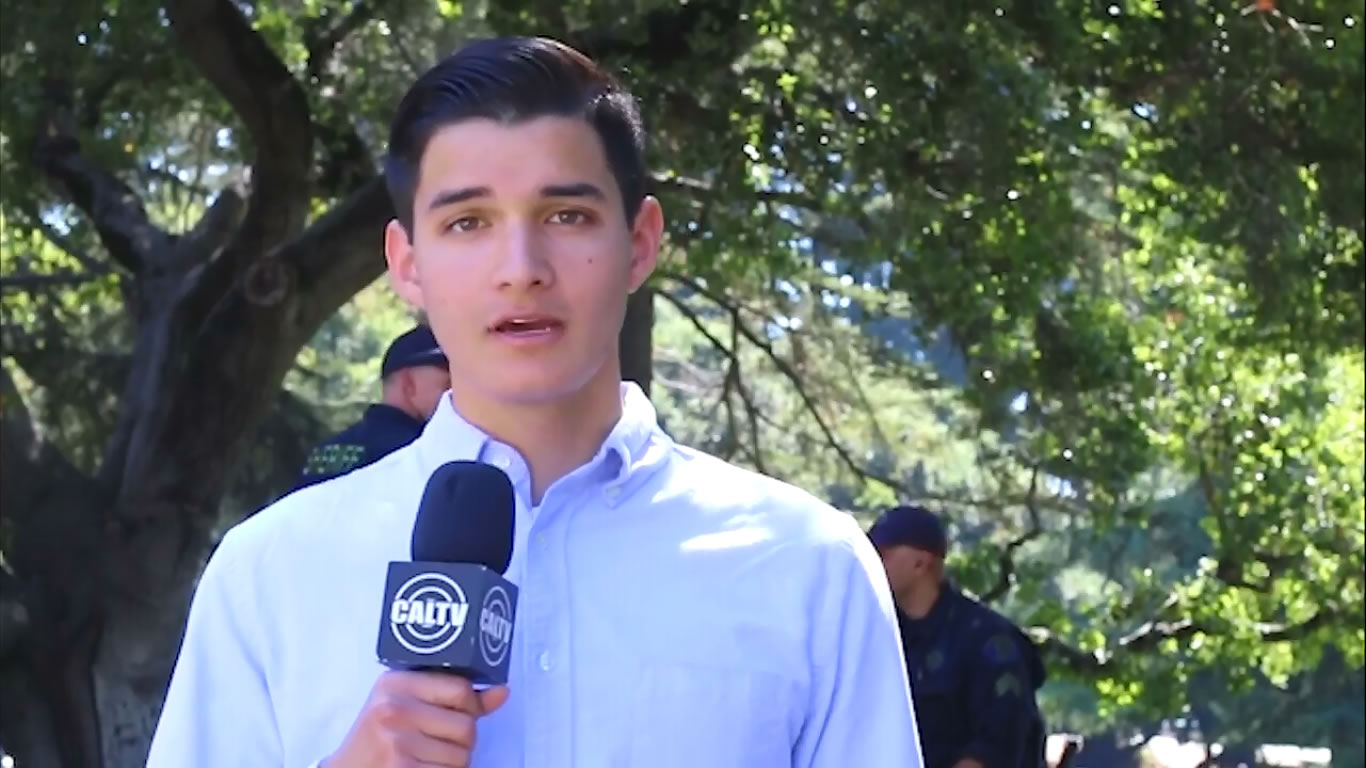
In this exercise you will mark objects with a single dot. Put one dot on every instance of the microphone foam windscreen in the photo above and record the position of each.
(466, 516)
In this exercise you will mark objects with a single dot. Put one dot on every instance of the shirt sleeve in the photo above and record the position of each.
(218, 712)
(1000, 702)
(860, 712)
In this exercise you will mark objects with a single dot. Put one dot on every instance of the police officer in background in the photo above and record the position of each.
(972, 672)
(414, 375)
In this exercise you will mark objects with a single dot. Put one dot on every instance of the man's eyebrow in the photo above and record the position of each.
(452, 196)
(580, 189)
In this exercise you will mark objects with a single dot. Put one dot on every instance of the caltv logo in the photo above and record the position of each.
(428, 613)
(495, 626)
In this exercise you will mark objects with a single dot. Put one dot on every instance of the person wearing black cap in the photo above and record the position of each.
(972, 672)
(414, 375)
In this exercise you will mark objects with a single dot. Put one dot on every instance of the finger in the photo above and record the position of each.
(493, 698)
(426, 750)
(449, 725)
(442, 690)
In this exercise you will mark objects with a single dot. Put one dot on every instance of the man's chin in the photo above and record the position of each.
(535, 397)
(537, 393)
(518, 384)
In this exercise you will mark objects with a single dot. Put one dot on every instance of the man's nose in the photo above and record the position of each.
(523, 262)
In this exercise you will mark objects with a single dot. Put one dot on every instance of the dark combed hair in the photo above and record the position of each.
(512, 80)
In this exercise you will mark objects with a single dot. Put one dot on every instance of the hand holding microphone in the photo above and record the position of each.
(446, 626)
(417, 719)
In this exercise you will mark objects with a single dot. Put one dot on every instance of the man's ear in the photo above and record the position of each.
(402, 260)
(646, 234)
(919, 561)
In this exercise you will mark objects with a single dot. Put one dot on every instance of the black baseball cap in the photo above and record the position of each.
(910, 526)
(414, 348)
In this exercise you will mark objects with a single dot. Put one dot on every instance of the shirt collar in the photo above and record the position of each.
(449, 437)
(626, 443)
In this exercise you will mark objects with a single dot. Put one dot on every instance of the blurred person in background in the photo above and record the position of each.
(972, 672)
(414, 375)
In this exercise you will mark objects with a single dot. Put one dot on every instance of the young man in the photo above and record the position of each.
(972, 673)
(414, 374)
(674, 610)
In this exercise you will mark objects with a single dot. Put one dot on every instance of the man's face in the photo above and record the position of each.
(521, 256)
(427, 384)
(907, 567)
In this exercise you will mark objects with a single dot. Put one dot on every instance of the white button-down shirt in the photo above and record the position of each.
(674, 610)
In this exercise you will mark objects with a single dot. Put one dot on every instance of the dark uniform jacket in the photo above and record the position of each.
(973, 675)
(381, 431)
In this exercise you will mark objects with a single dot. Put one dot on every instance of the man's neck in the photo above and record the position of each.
(554, 438)
(918, 601)
(402, 407)
(392, 396)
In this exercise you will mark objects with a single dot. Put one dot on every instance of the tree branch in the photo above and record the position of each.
(732, 442)
(788, 372)
(835, 227)
(322, 42)
(213, 231)
(404, 52)
(751, 412)
(92, 107)
(328, 263)
(1152, 634)
(1231, 555)
(794, 378)
(346, 161)
(1006, 564)
(24, 281)
(272, 105)
(238, 62)
(112, 206)
(699, 187)
(152, 175)
(64, 243)
(671, 35)
(341, 252)
(69, 373)
(733, 379)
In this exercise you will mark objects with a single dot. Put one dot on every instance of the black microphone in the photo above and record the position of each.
(450, 608)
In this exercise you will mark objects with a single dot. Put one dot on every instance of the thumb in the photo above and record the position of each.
(493, 698)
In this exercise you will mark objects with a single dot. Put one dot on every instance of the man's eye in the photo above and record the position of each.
(570, 218)
(464, 224)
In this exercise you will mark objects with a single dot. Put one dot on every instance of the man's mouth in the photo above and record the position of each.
(518, 326)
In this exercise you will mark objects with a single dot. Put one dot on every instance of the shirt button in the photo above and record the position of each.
(613, 493)
(545, 661)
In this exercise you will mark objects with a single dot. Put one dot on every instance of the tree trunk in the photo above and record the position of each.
(137, 649)
(636, 342)
(102, 568)
(50, 537)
